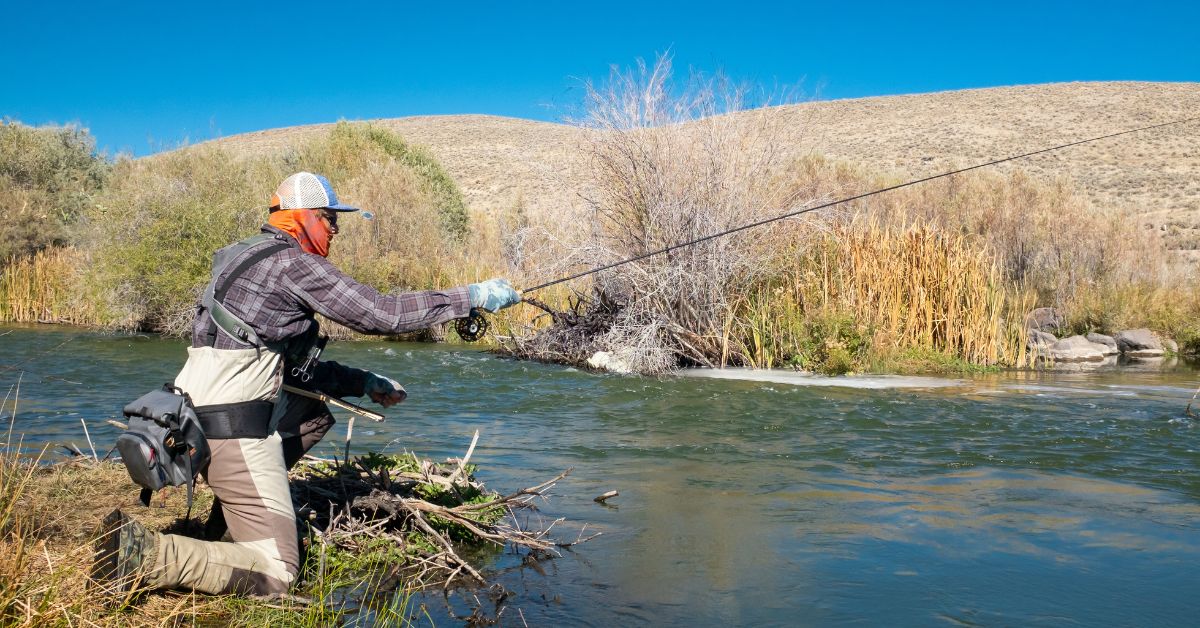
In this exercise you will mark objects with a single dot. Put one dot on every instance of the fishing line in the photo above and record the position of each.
(848, 199)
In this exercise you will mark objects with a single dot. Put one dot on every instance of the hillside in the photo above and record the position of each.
(1153, 175)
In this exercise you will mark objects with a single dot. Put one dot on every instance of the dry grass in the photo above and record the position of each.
(42, 288)
(48, 513)
(886, 290)
(1154, 177)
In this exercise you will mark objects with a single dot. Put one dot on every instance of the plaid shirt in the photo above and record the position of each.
(279, 296)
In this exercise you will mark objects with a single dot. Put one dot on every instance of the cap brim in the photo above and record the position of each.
(342, 208)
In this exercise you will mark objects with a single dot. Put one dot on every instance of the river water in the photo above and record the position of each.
(1014, 499)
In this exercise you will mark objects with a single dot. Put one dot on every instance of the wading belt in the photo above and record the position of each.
(221, 317)
(245, 419)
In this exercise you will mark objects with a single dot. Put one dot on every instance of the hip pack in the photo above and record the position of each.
(164, 445)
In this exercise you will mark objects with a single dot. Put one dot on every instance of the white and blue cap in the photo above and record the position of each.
(305, 190)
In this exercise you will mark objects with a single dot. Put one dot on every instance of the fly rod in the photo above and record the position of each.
(475, 326)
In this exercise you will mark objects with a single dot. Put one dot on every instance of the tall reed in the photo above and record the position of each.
(30, 588)
(43, 287)
(867, 289)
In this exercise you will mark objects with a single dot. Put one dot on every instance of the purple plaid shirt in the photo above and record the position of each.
(279, 296)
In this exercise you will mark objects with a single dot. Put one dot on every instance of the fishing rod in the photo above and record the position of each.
(475, 326)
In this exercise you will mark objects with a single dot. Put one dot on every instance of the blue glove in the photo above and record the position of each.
(493, 295)
(383, 391)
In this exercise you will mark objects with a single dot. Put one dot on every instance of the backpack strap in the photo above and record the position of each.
(219, 315)
(191, 484)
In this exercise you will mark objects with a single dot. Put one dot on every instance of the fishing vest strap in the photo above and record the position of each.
(214, 296)
(246, 419)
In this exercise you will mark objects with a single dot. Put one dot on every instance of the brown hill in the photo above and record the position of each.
(1155, 175)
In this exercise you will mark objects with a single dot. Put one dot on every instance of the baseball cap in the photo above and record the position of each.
(305, 190)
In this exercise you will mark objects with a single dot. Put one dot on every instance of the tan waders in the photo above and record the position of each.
(249, 478)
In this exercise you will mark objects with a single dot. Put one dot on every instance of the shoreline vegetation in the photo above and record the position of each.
(935, 278)
(376, 531)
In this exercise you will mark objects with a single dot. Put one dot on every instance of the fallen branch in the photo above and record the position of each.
(375, 498)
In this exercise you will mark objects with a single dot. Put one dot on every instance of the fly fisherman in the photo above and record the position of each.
(254, 330)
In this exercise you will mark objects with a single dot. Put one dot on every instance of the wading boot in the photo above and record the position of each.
(124, 552)
(215, 529)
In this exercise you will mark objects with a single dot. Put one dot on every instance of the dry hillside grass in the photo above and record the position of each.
(497, 162)
(502, 162)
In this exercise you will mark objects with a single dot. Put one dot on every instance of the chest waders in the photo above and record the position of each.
(236, 418)
(167, 440)
(236, 391)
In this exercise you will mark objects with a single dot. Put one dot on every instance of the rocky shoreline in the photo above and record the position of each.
(1131, 344)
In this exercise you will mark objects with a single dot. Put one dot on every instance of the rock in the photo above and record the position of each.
(1045, 319)
(1108, 341)
(1171, 346)
(1076, 349)
(1139, 343)
(1040, 340)
(605, 361)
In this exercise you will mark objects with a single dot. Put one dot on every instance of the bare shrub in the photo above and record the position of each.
(671, 167)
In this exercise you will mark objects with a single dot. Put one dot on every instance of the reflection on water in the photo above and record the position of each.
(1014, 499)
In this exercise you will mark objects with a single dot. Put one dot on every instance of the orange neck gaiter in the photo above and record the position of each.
(306, 226)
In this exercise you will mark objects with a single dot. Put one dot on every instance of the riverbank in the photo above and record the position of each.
(48, 514)
(360, 565)
(934, 278)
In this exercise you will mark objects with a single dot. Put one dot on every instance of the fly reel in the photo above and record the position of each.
(471, 328)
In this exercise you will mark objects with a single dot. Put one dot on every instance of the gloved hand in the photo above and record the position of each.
(384, 391)
(493, 295)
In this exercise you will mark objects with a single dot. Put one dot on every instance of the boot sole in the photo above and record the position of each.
(105, 560)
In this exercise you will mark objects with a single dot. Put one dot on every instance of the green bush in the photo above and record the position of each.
(48, 175)
(153, 231)
(833, 344)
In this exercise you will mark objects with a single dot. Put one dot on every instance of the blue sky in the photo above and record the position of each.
(149, 75)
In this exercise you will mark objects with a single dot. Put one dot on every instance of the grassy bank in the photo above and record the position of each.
(47, 514)
(362, 567)
(374, 530)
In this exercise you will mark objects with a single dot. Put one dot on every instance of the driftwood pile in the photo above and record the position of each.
(620, 334)
(573, 334)
(424, 512)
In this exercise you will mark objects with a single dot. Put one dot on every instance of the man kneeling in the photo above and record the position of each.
(254, 330)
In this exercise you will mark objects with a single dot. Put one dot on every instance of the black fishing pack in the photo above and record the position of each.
(164, 445)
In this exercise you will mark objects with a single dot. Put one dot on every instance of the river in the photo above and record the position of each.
(1012, 499)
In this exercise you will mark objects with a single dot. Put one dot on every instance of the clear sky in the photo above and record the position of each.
(144, 76)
